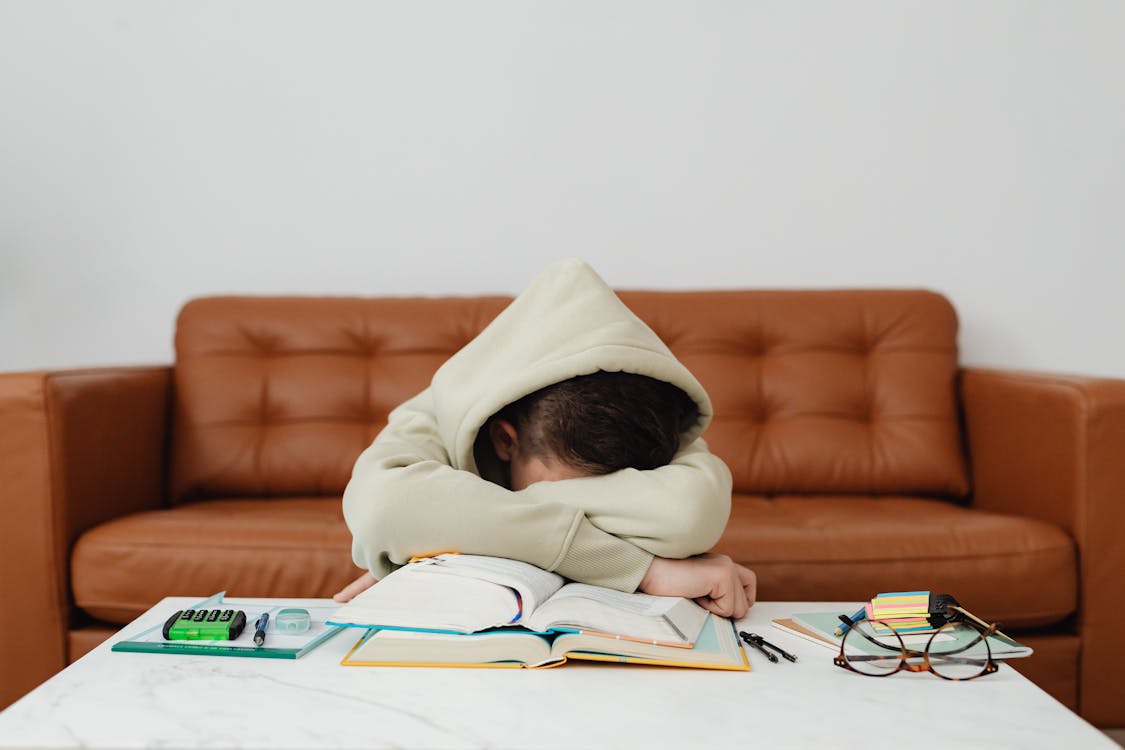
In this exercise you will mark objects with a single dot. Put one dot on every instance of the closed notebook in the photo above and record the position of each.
(792, 627)
(459, 594)
(716, 647)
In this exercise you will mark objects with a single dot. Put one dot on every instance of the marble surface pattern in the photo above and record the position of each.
(123, 700)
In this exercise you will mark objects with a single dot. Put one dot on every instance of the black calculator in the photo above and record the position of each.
(205, 625)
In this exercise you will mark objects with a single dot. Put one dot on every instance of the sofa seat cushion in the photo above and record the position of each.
(1018, 571)
(290, 547)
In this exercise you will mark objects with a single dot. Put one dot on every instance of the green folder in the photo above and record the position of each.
(276, 646)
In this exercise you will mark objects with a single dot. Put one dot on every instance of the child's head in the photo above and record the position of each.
(590, 425)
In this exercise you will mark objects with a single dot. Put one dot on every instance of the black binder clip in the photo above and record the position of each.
(940, 611)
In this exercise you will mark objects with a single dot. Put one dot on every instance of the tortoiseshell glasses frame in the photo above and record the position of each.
(956, 662)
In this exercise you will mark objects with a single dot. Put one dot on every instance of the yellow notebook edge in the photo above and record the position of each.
(587, 656)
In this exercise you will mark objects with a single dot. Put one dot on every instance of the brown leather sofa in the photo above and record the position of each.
(864, 460)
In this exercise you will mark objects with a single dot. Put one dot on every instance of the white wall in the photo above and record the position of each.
(155, 151)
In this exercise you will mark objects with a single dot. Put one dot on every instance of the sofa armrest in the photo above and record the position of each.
(1053, 447)
(76, 449)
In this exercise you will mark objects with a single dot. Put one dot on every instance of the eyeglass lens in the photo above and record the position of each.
(871, 650)
(958, 652)
(955, 651)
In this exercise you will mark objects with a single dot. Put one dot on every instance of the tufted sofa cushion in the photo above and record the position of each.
(278, 396)
(289, 547)
(823, 391)
(814, 392)
(848, 548)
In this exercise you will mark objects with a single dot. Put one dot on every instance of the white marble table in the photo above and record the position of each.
(125, 700)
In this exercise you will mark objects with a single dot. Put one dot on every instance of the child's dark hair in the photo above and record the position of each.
(604, 422)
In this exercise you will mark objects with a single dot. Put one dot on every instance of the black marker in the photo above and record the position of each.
(260, 629)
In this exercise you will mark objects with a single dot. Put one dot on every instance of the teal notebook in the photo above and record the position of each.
(277, 645)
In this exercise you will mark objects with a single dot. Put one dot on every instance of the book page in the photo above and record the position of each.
(453, 593)
(412, 597)
(645, 605)
(597, 610)
(716, 647)
(534, 585)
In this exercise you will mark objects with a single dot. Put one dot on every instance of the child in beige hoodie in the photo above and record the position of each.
(490, 459)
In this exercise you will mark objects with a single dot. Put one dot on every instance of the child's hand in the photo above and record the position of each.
(715, 582)
(362, 583)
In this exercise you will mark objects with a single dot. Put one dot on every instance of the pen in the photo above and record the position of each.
(260, 629)
(845, 624)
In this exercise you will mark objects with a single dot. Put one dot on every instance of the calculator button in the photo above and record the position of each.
(214, 615)
(199, 615)
(227, 615)
(187, 615)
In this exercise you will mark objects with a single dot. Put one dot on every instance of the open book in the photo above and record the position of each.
(458, 594)
(716, 647)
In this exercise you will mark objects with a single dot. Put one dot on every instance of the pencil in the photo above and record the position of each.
(860, 615)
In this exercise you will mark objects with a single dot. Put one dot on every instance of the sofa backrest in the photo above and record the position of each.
(814, 391)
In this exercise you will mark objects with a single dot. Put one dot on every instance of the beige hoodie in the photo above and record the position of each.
(417, 489)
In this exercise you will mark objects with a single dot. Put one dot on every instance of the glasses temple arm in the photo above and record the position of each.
(986, 628)
(901, 648)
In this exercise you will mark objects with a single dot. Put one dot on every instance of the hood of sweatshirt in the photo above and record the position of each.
(568, 322)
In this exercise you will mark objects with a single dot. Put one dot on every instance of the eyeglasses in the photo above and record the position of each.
(958, 650)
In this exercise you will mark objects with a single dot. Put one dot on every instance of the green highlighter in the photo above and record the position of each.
(205, 625)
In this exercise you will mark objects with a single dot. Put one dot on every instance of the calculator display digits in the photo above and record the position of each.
(205, 625)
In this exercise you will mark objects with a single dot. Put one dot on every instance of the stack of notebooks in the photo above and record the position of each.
(471, 611)
(821, 628)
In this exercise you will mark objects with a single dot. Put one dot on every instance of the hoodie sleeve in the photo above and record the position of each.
(677, 511)
(405, 499)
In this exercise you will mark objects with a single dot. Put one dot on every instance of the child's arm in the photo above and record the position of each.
(674, 511)
(404, 499)
(715, 582)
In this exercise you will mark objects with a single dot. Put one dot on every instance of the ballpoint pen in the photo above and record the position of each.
(260, 629)
(843, 626)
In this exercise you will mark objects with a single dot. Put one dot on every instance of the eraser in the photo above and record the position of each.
(291, 620)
